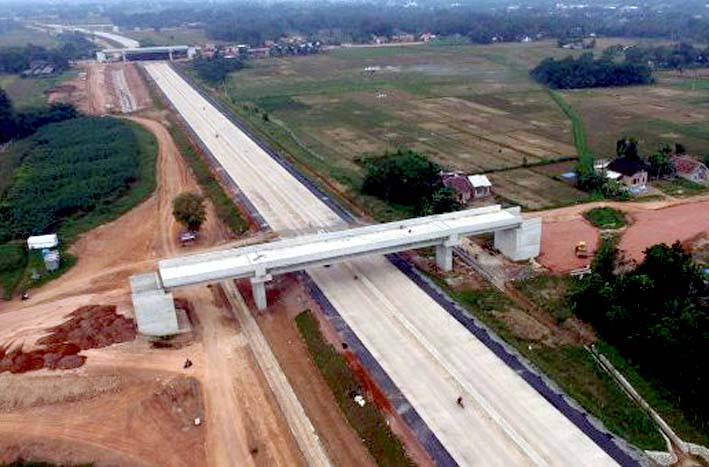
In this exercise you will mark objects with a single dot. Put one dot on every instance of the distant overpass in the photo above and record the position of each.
(516, 238)
(167, 52)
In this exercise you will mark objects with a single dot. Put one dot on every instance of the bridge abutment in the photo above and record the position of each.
(522, 243)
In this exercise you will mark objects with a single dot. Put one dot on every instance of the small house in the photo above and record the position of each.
(460, 185)
(690, 168)
(481, 186)
(633, 173)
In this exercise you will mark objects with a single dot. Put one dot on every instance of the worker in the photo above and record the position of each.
(25, 296)
(459, 401)
(188, 363)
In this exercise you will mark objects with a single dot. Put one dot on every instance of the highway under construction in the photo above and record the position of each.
(511, 417)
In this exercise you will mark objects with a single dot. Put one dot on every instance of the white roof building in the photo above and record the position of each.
(479, 181)
(40, 242)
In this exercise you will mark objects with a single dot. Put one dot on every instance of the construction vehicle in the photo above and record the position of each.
(581, 250)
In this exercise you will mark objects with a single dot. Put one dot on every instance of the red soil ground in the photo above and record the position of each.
(559, 240)
(667, 225)
(649, 224)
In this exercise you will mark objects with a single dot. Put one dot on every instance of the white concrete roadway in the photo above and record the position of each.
(429, 355)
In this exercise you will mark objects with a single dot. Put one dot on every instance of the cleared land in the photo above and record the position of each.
(649, 223)
(430, 356)
(32, 92)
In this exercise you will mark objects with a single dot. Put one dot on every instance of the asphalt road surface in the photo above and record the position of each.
(431, 357)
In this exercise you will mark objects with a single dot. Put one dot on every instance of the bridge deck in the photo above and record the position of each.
(307, 251)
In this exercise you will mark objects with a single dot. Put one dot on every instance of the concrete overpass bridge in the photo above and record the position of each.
(515, 237)
(167, 52)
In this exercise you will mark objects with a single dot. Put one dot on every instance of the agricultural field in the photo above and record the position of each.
(674, 109)
(469, 107)
(168, 36)
(22, 36)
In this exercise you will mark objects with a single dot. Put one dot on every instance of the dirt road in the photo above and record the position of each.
(244, 422)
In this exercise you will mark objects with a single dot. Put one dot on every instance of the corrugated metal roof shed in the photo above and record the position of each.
(39, 242)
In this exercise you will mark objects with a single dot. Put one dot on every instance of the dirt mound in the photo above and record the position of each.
(92, 327)
(55, 357)
(89, 327)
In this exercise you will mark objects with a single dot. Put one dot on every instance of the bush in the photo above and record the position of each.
(215, 70)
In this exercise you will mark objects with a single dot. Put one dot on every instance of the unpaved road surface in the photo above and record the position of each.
(121, 407)
(431, 357)
(649, 223)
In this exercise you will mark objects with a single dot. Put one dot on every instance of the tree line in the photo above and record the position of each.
(656, 313)
(15, 124)
(73, 46)
(588, 72)
(254, 23)
(675, 56)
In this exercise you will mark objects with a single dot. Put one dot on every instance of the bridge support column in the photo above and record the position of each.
(444, 257)
(258, 289)
(444, 253)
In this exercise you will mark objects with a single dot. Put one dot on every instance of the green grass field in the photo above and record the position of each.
(169, 36)
(31, 92)
(460, 105)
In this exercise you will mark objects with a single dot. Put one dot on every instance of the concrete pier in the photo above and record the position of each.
(258, 289)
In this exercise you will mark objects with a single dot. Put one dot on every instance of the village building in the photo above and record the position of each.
(633, 173)
(690, 168)
(466, 187)
(459, 184)
(481, 186)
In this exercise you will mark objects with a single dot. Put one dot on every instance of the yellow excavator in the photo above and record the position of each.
(581, 250)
